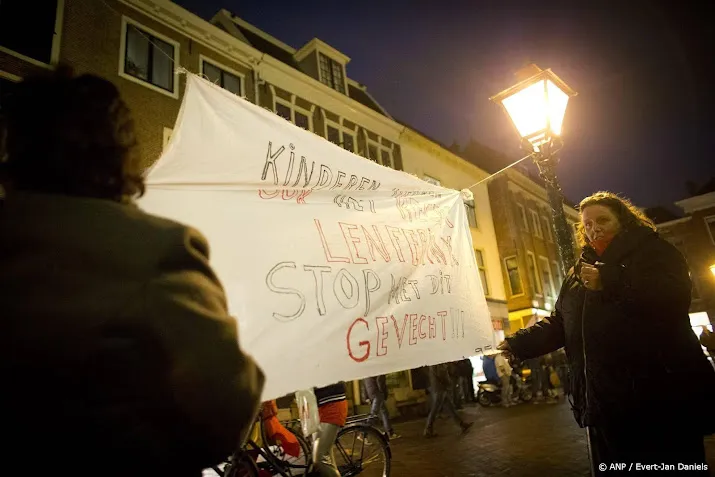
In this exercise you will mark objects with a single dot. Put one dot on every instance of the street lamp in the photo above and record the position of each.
(536, 106)
(712, 269)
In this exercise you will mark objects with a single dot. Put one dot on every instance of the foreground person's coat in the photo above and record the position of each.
(633, 356)
(118, 355)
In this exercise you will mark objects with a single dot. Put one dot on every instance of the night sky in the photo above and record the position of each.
(642, 124)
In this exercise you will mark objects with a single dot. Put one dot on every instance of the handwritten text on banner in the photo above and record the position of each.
(337, 268)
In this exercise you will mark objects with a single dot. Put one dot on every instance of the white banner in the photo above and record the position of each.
(336, 268)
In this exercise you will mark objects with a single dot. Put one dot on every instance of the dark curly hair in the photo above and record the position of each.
(628, 215)
(68, 135)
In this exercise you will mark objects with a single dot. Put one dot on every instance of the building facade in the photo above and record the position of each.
(144, 45)
(694, 236)
(526, 239)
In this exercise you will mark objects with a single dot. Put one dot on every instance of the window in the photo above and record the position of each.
(512, 270)
(331, 73)
(546, 278)
(341, 135)
(471, 213)
(432, 180)
(547, 228)
(290, 110)
(557, 275)
(334, 135)
(710, 224)
(229, 80)
(31, 30)
(283, 111)
(482, 271)
(533, 273)
(522, 216)
(148, 58)
(535, 225)
(379, 153)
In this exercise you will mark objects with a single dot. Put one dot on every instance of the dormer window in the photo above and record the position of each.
(331, 73)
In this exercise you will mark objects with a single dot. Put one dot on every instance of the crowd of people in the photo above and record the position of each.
(120, 356)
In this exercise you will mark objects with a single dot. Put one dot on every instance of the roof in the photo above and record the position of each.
(285, 54)
(364, 98)
(709, 186)
(660, 214)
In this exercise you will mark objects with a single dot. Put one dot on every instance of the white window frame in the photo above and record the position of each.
(56, 42)
(166, 137)
(342, 66)
(341, 130)
(126, 21)
(241, 77)
(380, 147)
(522, 214)
(707, 220)
(521, 280)
(531, 258)
(547, 225)
(558, 274)
(471, 210)
(293, 108)
(10, 76)
(536, 224)
(488, 291)
(544, 262)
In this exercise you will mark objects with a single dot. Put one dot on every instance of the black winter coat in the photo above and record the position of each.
(628, 344)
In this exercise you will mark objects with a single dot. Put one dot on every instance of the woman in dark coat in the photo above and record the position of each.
(639, 379)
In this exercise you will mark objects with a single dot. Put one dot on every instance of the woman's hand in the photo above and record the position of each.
(506, 351)
(591, 277)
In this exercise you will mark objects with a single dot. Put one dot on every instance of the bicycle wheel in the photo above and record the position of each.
(240, 465)
(362, 450)
(288, 464)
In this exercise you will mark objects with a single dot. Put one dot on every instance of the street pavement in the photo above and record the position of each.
(526, 440)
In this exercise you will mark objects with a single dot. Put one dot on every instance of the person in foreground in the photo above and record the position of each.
(622, 316)
(118, 355)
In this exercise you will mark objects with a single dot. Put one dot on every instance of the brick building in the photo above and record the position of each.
(531, 265)
(142, 45)
(694, 235)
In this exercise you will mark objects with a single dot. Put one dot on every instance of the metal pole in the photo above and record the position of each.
(546, 160)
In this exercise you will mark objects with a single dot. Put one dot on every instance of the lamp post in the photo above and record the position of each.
(712, 269)
(536, 106)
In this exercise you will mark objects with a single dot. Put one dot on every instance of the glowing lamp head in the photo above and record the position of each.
(537, 104)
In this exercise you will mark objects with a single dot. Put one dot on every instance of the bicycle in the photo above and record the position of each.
(252, 458)
(359, 430)
(352, 453)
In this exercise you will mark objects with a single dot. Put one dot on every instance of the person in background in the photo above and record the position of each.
(276, 433)
(562, 369)
(622, 316)
(467, 380)
(537, 378)
(455, 378)
(441, 392)
(333, 410)
(118, 354)
(504, 373)
(376, 388)
(490, 369)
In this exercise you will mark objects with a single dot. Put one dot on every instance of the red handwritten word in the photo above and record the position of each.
(363, 243)
(286, 194)
(414, 326)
